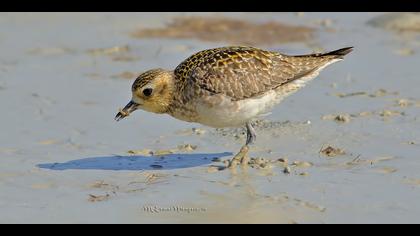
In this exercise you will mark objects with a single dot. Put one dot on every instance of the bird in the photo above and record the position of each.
(227, 87)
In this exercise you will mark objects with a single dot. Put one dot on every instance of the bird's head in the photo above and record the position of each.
(152, 91)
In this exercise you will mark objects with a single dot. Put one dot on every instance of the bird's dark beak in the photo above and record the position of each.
(130, 107)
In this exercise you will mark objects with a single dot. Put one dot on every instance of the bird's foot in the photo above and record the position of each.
(241, 157)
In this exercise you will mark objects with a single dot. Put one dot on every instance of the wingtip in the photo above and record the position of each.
(340, 52)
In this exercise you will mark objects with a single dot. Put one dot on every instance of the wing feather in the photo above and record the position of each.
(241, 72)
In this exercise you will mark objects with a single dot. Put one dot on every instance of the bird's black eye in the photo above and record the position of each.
(147, 92)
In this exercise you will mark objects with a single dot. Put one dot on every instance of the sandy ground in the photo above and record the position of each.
(64, 159)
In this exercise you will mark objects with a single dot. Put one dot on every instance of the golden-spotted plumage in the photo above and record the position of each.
(244, 72)
(228, 86)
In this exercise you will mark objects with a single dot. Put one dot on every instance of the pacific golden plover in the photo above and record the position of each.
(226, 87)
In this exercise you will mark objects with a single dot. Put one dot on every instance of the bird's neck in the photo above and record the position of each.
(178, 95)
(170, 95)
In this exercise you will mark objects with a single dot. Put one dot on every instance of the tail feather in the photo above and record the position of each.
(340, 53)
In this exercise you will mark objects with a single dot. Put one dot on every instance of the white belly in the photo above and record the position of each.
(226, 113)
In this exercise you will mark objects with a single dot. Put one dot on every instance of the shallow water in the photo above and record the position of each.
(59, 144)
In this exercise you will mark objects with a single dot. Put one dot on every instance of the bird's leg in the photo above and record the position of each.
(242, 156)
(250, 134)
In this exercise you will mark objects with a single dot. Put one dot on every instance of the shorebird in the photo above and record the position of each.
(227, 87)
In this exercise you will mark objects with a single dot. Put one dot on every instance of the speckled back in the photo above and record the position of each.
(242, 72)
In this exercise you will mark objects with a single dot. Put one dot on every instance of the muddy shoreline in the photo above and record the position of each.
(344, 149)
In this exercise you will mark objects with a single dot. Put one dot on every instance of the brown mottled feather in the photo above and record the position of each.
(244, 72)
